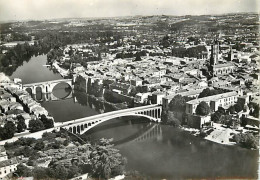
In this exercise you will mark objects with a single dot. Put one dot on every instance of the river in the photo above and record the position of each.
(154, 150)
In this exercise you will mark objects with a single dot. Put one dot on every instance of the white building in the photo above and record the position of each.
(224, 100)
(142, 97)
(6, 165)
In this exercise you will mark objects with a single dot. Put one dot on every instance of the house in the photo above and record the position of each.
(38, 110)
(173, 86)
(3, 155)
(221, 69)
(122, 87)
(192, 94)
(137, 82)
(7, 165)
(195, 121)
(224, 100)
(156, 98)
(26, 118)
(141, 97)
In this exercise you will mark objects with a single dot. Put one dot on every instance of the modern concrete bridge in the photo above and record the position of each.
(47, 86)
(82, 125)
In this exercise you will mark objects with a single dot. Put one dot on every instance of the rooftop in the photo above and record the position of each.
(213, 98)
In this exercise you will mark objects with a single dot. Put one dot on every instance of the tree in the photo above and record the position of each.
(73, 171)
(36, 125)
(178, 103)
(209, 92)
(168, 118)
(39, 145)
(105, 160)
(133, 91)
(204, 93)
(22, 170)
(203, 109)
(232, 109)
(40, 173)
(60, 172)
(171, 120)
(8, 130)
(247, 140)
(221, 110)
(21, 126)
(2, 133)
(47, 122)
(238, 107)
(215, 117)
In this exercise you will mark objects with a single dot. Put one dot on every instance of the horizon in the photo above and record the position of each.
(32, 10)
(50, 19)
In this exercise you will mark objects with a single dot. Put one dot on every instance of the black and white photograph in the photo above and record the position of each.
(129, 89)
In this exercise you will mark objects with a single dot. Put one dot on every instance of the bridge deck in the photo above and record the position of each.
(44, 82)
(110, 114)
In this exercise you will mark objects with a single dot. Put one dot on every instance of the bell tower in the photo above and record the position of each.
(214, 53)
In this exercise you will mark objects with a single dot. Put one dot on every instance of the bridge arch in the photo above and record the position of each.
(83, 127)
(74, 129)
(29, 90)
(48, 86)
(53, 85)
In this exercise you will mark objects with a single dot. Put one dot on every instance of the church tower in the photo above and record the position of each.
(214, 53)
(230, 54)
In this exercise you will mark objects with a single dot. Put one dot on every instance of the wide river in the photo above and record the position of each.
(154, 150)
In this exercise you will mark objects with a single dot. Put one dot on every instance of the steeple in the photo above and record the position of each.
(214, 52)
(230, 54)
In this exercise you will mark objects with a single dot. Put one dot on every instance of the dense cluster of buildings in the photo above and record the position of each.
(7, 166)
(14, 102)
(158, 79)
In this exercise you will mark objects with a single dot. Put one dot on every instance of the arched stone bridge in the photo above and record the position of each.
(82, 125)
(47, 86)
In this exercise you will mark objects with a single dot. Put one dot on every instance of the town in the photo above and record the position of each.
(197, 73)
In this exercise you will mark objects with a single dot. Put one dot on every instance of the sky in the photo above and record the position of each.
(52, 9)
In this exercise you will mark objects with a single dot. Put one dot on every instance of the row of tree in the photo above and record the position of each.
(101, 161)
(10, 128)
(247, 140)
(40, 124)
(210, 92)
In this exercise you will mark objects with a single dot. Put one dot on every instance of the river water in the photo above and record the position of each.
(156, 151)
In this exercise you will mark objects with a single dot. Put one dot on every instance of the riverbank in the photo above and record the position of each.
(63, 72)
(219, 134)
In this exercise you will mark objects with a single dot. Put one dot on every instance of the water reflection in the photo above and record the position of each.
(45, 97)
(151, 131)
(34, 71)
(155, 150)
(174, 154)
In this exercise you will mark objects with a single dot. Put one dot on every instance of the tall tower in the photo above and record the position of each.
(214, 53)
(230, 54)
